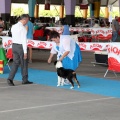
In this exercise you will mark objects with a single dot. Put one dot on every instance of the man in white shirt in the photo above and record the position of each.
(19, 48)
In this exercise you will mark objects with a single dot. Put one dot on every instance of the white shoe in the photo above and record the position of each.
(58, 85)
(71, 87)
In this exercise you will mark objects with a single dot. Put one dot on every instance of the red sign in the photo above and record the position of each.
(83, 6)
(47, 4)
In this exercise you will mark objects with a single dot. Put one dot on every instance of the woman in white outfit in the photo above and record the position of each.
(67, 50)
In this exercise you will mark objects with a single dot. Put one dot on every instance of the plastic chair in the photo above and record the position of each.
(87, 38)
(38, 33)
(113, 65)
(80, 39)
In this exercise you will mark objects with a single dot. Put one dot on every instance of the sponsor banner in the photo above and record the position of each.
(84, 46)
(40, 44)
(6, 41)
(104, 32)
(114, 52)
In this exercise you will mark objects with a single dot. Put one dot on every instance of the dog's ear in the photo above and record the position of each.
(55, 62)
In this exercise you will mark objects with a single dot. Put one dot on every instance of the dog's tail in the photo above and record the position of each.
(73, 73)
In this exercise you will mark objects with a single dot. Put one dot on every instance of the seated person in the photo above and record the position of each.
(1, 33)
(96, 25)
(47, 34)
(39, 34)
(36, 27)
(2, 23)
(51, 24)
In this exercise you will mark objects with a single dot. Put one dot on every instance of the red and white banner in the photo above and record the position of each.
(102, 33)
(84, 46)
(6, 41)
(114, 52)
(93, 46)
(114, 57)
(40, 44)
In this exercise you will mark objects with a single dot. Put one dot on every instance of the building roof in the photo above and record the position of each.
(59, 2)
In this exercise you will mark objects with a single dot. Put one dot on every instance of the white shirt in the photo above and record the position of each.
(19, 34)
(96, 25)
(66, 44)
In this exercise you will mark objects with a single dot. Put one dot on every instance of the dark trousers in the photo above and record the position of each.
(18, 59)
(114, 36)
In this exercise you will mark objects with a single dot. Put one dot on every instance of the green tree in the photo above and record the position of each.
(78, 12)
(115, 13)
(18, 11)
(46, 13)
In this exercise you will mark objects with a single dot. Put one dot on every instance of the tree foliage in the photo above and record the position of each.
(49, 13)
(55, 11)
(18, 11)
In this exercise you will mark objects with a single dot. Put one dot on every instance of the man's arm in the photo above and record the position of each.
(2, 34)
(26, 27)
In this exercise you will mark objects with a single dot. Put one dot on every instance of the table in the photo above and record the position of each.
(101, 58)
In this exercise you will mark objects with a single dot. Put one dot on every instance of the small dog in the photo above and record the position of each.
(65, 74)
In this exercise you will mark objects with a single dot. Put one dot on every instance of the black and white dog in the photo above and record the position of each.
(65, 74)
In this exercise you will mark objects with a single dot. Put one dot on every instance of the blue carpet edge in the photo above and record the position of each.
(90, 86)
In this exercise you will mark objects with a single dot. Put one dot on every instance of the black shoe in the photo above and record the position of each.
(27, 82)
(10, 82)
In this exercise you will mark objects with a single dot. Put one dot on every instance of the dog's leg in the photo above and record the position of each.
(62, 81)
(75, 79)
(59, 81)
(66, 82)
(71, 83)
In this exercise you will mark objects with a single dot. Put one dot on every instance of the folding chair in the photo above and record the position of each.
(113, 65)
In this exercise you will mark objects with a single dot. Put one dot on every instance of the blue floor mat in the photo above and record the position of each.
(88, 84)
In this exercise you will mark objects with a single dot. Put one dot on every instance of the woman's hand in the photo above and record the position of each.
(49, 60)
(61, 58)
(64, 55)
